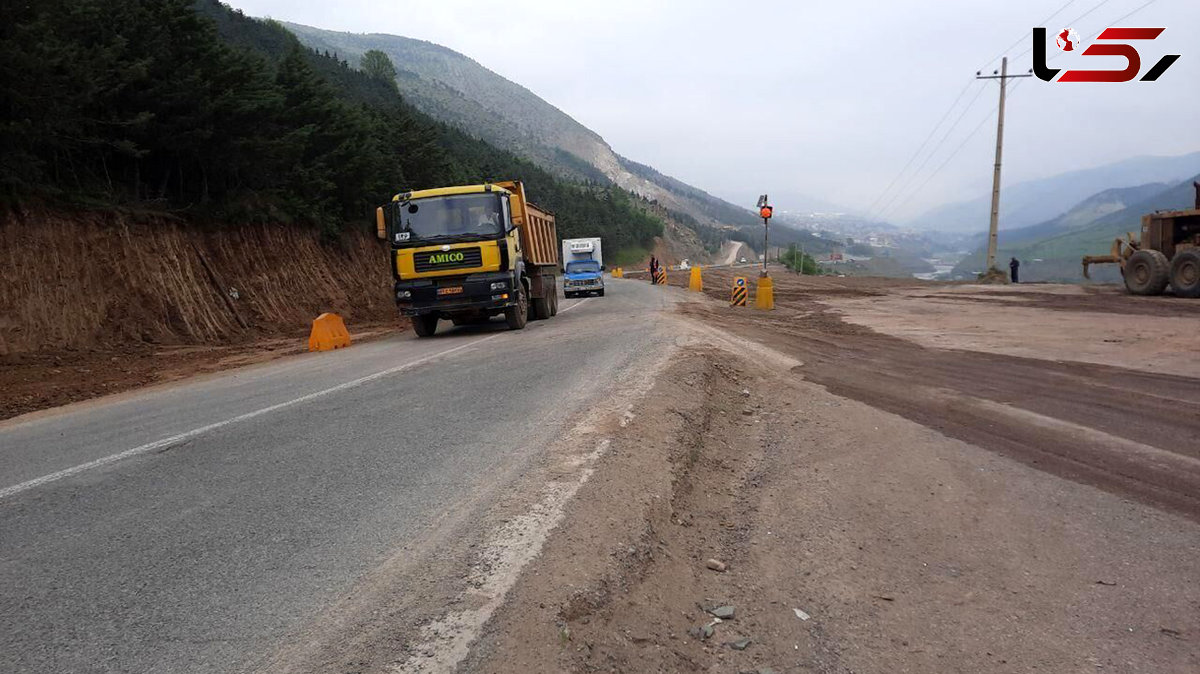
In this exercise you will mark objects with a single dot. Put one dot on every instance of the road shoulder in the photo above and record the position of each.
(906, 550)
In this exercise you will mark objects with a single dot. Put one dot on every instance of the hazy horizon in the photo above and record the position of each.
(782, 103)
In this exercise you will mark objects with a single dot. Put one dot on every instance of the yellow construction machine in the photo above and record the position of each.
(1166, 253)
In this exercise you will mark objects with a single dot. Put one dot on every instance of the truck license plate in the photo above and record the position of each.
(451, 290)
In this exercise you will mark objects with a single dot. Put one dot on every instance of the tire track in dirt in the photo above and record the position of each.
(938, 388)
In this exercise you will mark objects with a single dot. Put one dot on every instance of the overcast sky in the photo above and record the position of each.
(827, 98)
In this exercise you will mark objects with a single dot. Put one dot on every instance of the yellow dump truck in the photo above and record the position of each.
(471, 252)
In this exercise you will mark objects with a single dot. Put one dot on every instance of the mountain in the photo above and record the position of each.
(455, 89)
(1079, 216)
(1056, 257)
(1036, 201)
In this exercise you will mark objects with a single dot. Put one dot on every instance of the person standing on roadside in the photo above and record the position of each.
(1013, 266)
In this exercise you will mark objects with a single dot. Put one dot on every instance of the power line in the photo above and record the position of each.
(932, 152)
(897, 178)
(953, 154)
(890, 204)
(1144, 6)
(1019, 40)
(871, 208)
(1080, 18)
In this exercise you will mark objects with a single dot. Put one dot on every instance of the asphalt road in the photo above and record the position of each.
(204, 526)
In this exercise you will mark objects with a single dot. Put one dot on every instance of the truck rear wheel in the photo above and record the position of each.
(425, 326)
(517, 316)
(1185, 273)
(1147, 272)
(541, 308)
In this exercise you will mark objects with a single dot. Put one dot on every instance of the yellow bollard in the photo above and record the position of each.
(737, 298)
(328, 332)
(694, 283)
(764, 295)
(617, 273)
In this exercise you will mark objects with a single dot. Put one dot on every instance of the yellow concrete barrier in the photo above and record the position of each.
(764, 294)
(328, 332)
(694, 282)
(737, 297)
(617, 272)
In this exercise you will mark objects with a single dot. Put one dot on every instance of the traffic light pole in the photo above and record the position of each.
(766, 246)
(764, 211)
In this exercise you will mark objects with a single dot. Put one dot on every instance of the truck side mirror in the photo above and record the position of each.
(380, 224)
(509, 225)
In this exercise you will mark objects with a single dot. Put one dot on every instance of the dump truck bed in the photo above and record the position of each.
(539, 237)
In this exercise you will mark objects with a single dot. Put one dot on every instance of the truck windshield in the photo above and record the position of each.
(584, 267)
(453, 216)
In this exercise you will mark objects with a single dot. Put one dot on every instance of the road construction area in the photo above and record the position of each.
(877, 476)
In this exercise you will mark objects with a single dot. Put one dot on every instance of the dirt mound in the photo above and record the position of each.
(993, 276)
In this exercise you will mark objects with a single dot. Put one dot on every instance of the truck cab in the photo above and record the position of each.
(583, 277)
(467, 253)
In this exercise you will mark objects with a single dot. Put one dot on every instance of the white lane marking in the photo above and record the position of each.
(187, 435)
(566, 309)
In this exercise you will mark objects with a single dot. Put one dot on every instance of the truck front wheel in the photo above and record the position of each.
(1147, 272)
(518, 316)
(425, 326)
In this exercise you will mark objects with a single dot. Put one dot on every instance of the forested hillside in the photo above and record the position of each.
(192, 109)
(455, 89)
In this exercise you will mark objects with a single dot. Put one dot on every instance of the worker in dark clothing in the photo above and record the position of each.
(1014, 265)
(653, 270)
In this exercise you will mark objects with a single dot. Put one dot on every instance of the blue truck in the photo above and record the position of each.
(583, 267)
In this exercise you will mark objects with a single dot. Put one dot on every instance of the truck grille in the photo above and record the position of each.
(455, 258)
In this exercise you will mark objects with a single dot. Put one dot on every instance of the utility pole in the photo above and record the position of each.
(1003, 76)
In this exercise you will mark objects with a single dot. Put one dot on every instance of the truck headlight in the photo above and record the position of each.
(500, 285)
(403, 294)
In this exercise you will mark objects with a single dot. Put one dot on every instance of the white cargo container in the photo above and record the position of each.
(582, 249)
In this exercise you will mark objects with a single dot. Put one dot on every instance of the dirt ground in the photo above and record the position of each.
(855, 541)
(899, 476)
(1039, 373)
(883, 501)
(35, 381)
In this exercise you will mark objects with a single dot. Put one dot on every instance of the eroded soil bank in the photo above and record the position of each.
(99, 303)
